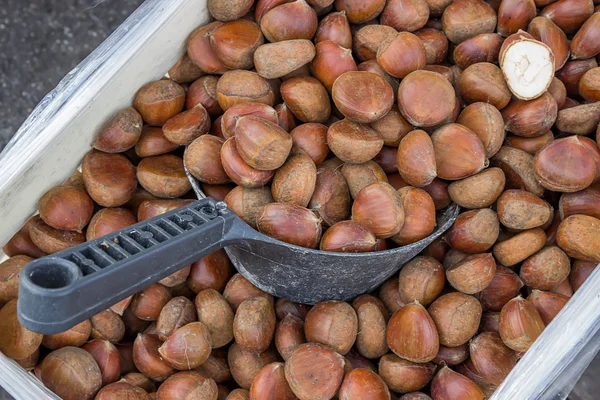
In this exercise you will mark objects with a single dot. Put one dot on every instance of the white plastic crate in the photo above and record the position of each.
(59, 132)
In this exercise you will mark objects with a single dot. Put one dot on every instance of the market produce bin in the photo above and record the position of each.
(54, 139)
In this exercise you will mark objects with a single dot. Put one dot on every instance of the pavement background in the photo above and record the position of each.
(42, 40)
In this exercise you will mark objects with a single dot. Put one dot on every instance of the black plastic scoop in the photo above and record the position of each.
(58, 291)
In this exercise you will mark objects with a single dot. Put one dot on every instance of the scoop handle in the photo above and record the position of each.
(58, 291)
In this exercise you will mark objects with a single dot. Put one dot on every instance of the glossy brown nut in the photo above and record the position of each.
(368, 38)
(239, 86)
(484, 47)
(204, 91)
(331, 61)
(516, 249)
(331, 198)
(237, 169)
(294, 182)
(517, 166)
(71, 373)
(361, 382)
(436, 45)
(254, 324)
(75, 336)
(360, 175)
(21, 244)
(387, 158)
(379, 207)
(579, 237)
(569, 15)
(348, 236)
(335, 27)
(371, 338)
(311, 139)
(452, 355)
(275, 60)
(262, 144)
(405, 15)
(580, 271)
(402, 54)
(426, 98)
(109, 178)
(465, 19)
(547, 304)
(148, 360)
(392, 127)
(457, 318)
(474, 231)
(514, 15)
(294, 20)
(389, 294)
(544, 30)
(159, 100)
(530, 118)
(314, 371)
(419, 216)
(358, 12)
(178, 312)
(107, 357)
(362, 97)
(574, 170)
(478, 191)
(290, 223)
(289, 335)
(419, 346)
(352, 142)
(491, 358)
(520, 324)
(246, 203)
(235, 42)
(188, 385)
(483, 82)
(139, 380)
(586, 202)
(187, 347)
(228, 10)
(447, 383)
(239, 289)
(153, 142)
(107, 325)
(121, 390)
(232, 115)
(186, 126)
(215, 367)
(121, 133)
(238, 394)
(570, 75)
(270, 381)
(332, 323)
(473, 273)
(486, 122)
(284, 307)
(148, 303)
(438, 190)
(163, 176)
(404, 376)
(558, 91)
(530, 145)
(422, 280)
(17, 341)
(458, 152)
(520, 210)
(109, 220)
(589, 88)
(585, 42)
(50, 240)
(201, 52)
(203, 159)
(184, 70)
(307, 98)
(580, 119)
(504, 286)
(214, 312)
(10, 270)
(210, 272)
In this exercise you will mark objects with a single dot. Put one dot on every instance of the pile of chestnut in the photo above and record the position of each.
(342, 126)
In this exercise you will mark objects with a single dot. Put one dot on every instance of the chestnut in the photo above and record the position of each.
(240, 86)
(306, 98)
(360, 12)
(188, 125)
(568, 15)
(520, 324)
(379, 207)
(228, 11)
(389, 294)
(426, 98)
(546, 31)
(479, 190)
(419, 216)
(148, 360)
(311, 139)
(387, 158)
(579, 119)
(504, 286)
(120, 390)
(473, 273)
(284, 307)
(361, 96)
(422, 279)
(579, 237)
(458, 152)
(139, 380)
(148, 303)
(107, 357)
(231, 116)
(456, 316)
(332, 323)
(580, 271)
(570, 75)
(278, 219)
(483, 82)
(521, 210)
(491, 358)
(71, 373)
(75, 336)
(187, 347)
(547, 304)
(412, 334)
(234, 43)
(107, 325)
(584, 44)
(404, 376)
(586, 202)
(348, 236)
(402, 54)
(293, 20)
(360, 175)
(372, 315)
(159, 100)
(109, 220)
(153, 142)
(392, 127)
(368, 38)
(184, 71)
(178, 312)
(109, 178)
(16, 341)
(589, 88)
(331, 197)
(530, 145)
(246, 203)
(517, 166)
(151, 208)
(490, 322)
(275, 60)
(438, 190)
(464, 19)
(215, 367)
(331, 61)
(201, 52)
(335, 27)
(10, 270)
(436, 45)
(187, 385)
(474, 231)
(314, 371)
(262, 144)
(546, 269)
(238, 394)
(558, 91)
(254, 324)
(204, 91)
(452, 355)
(530, 118)
(271, 381)
(216, 314)
(21, 244)
(514, 15)
(294, 182)
(238, 170)
(405, 15)
(245, 364)
(239, 289)
(360, 382)
(484, 47)
(353, 142)
(121, 133)
(289, 335)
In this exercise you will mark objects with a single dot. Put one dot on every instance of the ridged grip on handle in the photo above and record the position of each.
(58, 291)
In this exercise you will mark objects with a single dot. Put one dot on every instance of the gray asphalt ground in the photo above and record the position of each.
(42, 40)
